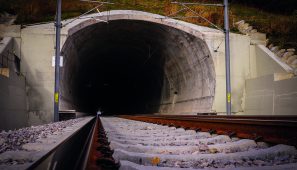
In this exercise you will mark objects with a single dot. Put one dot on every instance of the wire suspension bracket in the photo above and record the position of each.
(226, 31)
(58, 26)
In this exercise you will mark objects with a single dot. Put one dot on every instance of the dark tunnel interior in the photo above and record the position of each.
(119, 67)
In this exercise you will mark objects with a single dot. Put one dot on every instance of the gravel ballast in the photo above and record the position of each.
(20, 148)
(140, 145)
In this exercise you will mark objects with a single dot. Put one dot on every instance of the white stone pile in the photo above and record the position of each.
(287, 56)
(245, 28)
(140, 145)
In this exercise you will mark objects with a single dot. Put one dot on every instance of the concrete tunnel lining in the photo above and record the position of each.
(133, 67)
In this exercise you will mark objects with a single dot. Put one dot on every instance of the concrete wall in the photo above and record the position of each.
(13, 108)
(265, 96)
(36, 44)
(240, 68)
(242, 52)
(268, 63)
(37, 47)
(272, 90)
(185, 61)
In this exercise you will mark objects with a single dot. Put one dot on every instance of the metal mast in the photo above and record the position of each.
(227, 58)
(227, 43)
(57, 61)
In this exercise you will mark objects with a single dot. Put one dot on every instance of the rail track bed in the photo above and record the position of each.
(171, 144)
(154, 143)
(51, 146)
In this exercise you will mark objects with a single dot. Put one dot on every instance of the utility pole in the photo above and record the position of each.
(57, 61)
(58, 26)
(227, 42)
(227, 57)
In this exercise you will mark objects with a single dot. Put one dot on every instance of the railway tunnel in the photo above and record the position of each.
(136, 67)
(138, 63)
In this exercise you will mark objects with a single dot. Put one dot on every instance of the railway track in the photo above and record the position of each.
(99, 155)
(271, 129)
(199, 142)
(177, 143)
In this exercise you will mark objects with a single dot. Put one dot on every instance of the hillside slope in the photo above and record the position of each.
(277, 18)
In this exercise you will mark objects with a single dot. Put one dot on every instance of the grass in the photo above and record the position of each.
(281, 29)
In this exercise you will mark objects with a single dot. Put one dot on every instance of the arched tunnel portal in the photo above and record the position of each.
(136, 67)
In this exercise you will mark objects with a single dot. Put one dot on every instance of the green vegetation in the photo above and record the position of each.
(281, 29)
(277, 18)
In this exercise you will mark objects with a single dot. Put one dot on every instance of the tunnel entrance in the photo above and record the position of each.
(136, 67)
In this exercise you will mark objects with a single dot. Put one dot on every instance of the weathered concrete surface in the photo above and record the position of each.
(180, 66)
(10, 30)
(180, 63)
(189, 64)
(268, 63)
(265, 96)
(13, 108)
(240, 53)
(273, 88)
(36, 52)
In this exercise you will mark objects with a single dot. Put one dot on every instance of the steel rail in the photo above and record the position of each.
(262, 117)
(99, 156)
(59, 157)
(270, 129)
(87, 148)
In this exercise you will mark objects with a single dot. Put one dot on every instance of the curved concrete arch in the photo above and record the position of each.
(78, 24)
(136, 63)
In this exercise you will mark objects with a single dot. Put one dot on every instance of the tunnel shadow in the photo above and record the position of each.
(136, 67)
(120, 69)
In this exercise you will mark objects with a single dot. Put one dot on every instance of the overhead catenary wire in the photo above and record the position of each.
(197, 15)
(196, 3)
(226, 31)
(205, 19)
(97, 6)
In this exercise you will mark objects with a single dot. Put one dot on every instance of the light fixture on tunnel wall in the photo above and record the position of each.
(226, 31)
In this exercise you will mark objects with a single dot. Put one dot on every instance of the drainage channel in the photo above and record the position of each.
(139, 145)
